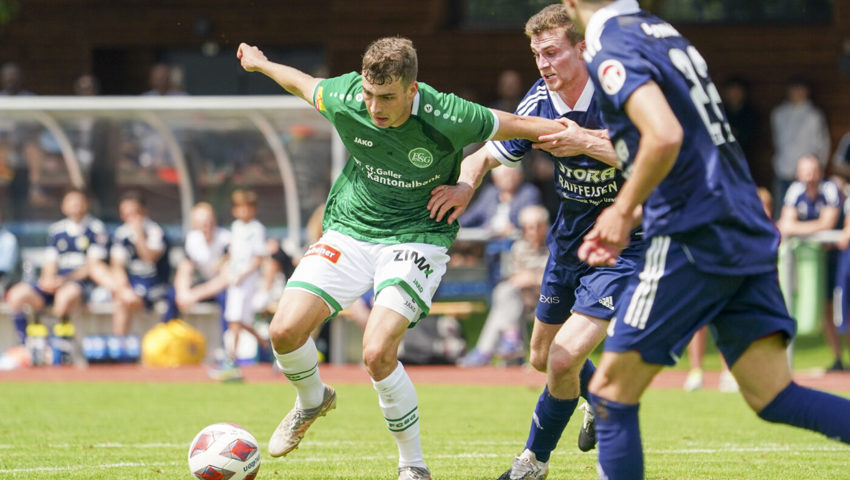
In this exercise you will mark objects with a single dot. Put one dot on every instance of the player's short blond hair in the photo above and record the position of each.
(552, 17)
(388, 59)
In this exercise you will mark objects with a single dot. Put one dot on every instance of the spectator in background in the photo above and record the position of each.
(799, 128)
(21, 156)
(496, 210)
(508, 91)
(813, 205)
(245, 257)
(200, 274)
(8, 254)
(162, 81)
(139, 269)
(515, 295)
(76, 248)
(743, 119)
(497, 207)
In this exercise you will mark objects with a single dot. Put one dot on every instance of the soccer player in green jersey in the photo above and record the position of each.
(404, 139)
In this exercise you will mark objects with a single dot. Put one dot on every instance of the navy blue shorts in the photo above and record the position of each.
(670, 299)
(149, 290)
(580, 288)
(48, 297)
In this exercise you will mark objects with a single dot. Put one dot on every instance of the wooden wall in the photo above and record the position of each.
(55, 41)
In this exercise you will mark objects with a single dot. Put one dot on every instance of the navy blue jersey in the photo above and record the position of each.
(123, 248)
(70, 244)
(829, 195)
(708, 200)
(585, 185)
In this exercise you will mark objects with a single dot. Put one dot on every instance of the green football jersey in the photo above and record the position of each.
(382, 193)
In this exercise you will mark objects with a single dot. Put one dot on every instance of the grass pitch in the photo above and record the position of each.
(123, 431)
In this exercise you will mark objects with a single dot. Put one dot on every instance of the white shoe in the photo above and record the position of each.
(727, 382)
(526, 467)
(413, 473)
(292, 428)
(694, 380)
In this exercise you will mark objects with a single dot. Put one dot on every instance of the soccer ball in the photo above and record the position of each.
(224, 451)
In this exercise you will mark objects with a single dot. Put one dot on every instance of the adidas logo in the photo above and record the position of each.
(607, 302)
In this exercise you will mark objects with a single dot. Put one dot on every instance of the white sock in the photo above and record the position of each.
(301, 367)
(397, 398)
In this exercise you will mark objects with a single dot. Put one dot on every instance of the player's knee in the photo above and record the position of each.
(538, 360)
(286, 336)
(379, 362)
(563, 363)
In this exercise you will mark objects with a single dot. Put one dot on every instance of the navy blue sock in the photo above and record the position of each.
(20, 320)
(587, 371)
(618, 439)
(810, 409)
(550, 418)
(171, 311)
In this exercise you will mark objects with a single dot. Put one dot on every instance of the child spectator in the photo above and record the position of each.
(245, 256)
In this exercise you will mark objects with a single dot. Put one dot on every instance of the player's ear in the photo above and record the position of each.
(413, 89)
(582, 46)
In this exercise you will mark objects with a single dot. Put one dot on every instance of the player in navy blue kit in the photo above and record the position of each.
(712, 250)
(139, 264)
(74, 244)
(576, 300)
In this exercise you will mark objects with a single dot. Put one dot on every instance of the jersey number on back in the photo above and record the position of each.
(695, 70)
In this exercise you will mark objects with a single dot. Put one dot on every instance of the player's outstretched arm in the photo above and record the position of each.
(527, 127)
(661, 137)
(456, 198)
(291, 79)
(576, 140)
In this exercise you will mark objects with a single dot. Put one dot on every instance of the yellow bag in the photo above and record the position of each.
(173, 344)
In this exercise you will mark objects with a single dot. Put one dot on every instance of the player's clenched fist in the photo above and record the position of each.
(250, 57)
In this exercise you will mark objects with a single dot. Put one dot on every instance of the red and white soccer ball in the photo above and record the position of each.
(224, 451)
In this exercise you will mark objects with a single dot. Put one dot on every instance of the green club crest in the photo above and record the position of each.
(420, 157)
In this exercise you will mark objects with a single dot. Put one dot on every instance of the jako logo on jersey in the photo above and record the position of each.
(550, 300)
(420, 157)
(413, 256)
(612, 76)
(325, 251)
(365, 143)
(320, 100)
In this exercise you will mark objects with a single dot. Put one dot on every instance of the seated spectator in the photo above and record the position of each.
(76, 246)
(8, 254)
(813, 205)
(200, 274)
(497, 206)
(496, 210)
(515, 295)
(139, 268)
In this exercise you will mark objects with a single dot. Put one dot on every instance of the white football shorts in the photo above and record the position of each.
(339, 269)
